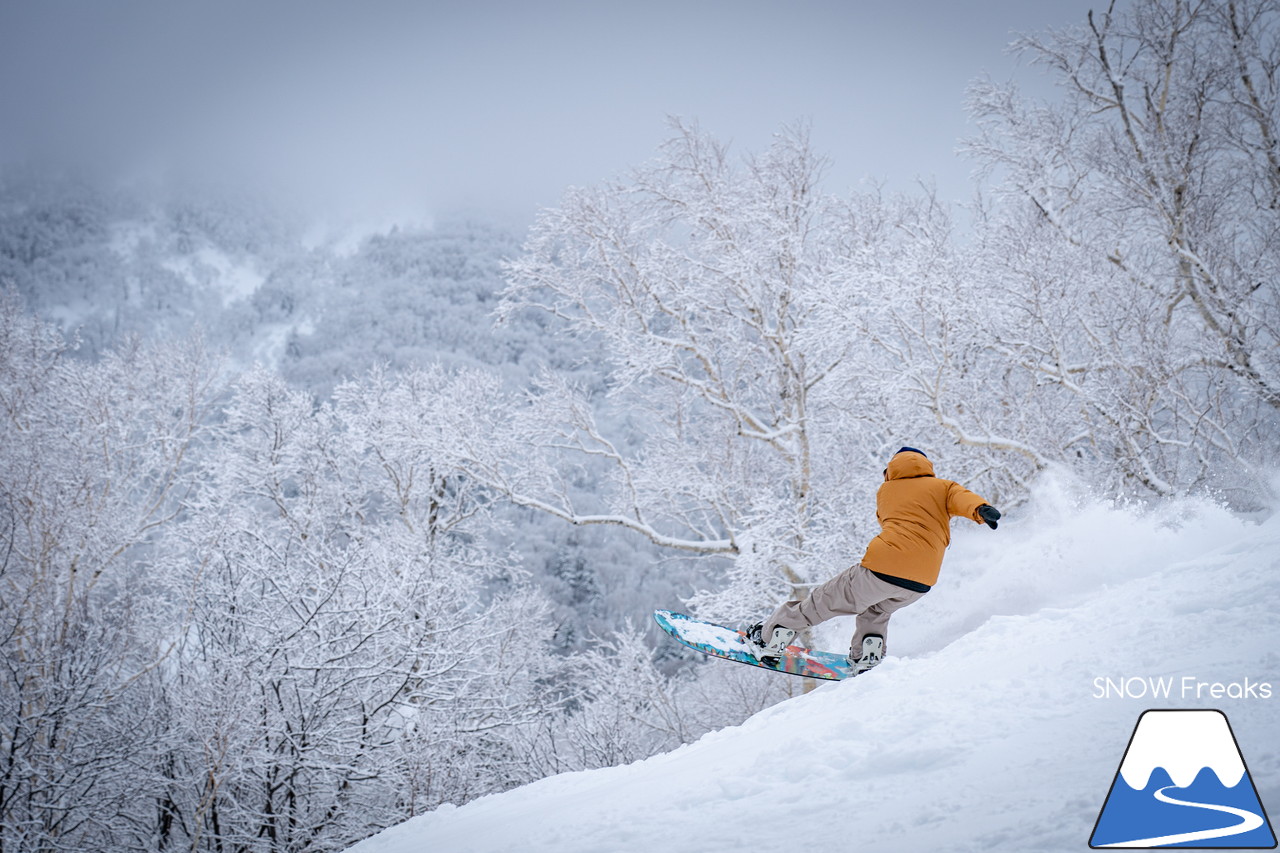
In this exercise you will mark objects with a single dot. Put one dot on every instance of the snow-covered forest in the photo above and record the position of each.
(304, 532)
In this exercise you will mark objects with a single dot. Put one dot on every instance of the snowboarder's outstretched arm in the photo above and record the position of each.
(966, 504)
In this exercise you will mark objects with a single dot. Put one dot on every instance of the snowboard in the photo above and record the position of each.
(730, 644)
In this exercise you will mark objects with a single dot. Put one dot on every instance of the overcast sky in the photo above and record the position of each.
(496, 106)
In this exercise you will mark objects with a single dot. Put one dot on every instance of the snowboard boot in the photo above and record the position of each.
(872, 654)
(768, 651)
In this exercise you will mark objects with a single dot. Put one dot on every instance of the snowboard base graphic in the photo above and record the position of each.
(730, 644)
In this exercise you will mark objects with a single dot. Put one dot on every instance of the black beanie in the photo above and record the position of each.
(912, 450)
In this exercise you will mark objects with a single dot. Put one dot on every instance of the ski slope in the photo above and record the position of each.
(986, 729)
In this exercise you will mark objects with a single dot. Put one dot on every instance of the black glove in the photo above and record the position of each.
(989, 514)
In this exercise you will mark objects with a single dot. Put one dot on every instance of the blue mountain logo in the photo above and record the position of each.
(1183, 783)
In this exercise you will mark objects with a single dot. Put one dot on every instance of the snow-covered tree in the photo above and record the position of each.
(625, 707)
(723, 296)
(1155, 321)
(268, 624)
(94, 462)
(353, 656)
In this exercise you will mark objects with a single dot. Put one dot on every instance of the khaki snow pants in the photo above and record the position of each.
(853, 592)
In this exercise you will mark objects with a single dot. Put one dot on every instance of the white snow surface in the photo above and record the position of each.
(984, 729)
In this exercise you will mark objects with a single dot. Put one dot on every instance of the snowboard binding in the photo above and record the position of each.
(769, 651)
(872, 653)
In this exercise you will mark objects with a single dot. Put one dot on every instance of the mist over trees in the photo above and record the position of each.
(302, 535)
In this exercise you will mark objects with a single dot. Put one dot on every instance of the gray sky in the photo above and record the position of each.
(495, 106)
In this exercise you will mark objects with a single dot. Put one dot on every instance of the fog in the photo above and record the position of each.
(416, 108)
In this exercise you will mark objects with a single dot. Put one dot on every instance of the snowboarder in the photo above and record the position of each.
(914, 509)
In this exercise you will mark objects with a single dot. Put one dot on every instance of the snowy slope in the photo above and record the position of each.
(984, 729)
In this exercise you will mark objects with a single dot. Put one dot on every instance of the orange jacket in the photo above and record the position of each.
(915, 509)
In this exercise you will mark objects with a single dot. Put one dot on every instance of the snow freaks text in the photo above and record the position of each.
(1184, 687)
